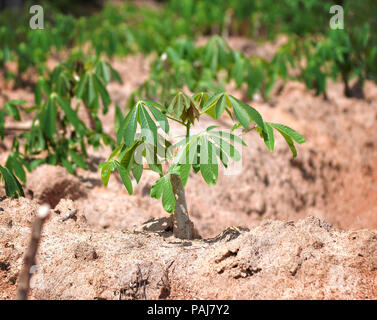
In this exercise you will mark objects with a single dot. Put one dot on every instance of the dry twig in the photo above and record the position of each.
(70, 214)
(29, 258)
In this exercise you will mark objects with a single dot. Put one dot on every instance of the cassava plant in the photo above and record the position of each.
(183, 64)
(58, 135)
(150, 148)
(12, 186)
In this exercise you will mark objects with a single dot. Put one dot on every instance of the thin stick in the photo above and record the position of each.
(69, 215)
(29, 258)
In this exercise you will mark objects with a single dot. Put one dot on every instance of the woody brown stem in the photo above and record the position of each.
(183, 228)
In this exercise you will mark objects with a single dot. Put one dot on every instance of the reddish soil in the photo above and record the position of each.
(333, 178)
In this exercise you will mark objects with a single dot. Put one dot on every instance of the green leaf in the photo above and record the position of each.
(71, 115)
(11, 107)
(208, 163)
(91, 90)
(15, 167)
(254, 114)
(240, 113)
(157, 188)
(125, 177)
(290, 143)
(184, 173)
(81, 86)
(49, 118)
(77, 159)
(220, 106)
(35, 163)
(106, 100)
(228, 148)
(209, 106)
(115, 74)
(105, 173)
(164, 187)
(168, 199)
(222, 156)
(137, 171)
(245, 113)
(269, 139)
(105, 72)
(159, 116)
(187, 153)
(148, 127)
(130, 124)
(230, 136)
(12, 186)
(289, 131)
(66, 164)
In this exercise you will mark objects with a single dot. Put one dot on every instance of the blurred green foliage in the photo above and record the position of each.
(85, 34)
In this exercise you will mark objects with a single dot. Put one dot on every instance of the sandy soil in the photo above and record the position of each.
(333, 178)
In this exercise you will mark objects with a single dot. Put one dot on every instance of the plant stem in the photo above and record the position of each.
(248, 130)
(188, 124)
(183, 228)
(176, 120)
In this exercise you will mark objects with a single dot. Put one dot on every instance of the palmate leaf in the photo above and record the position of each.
(245, 114)
(92, 86)
(217, 53)
(140, 114)
(201, 151)
(122, 168)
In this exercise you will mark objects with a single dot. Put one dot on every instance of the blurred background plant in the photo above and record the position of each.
(84, 37)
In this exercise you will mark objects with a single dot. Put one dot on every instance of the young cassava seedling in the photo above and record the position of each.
(12, 186)
(58, 136)
(149, 147)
